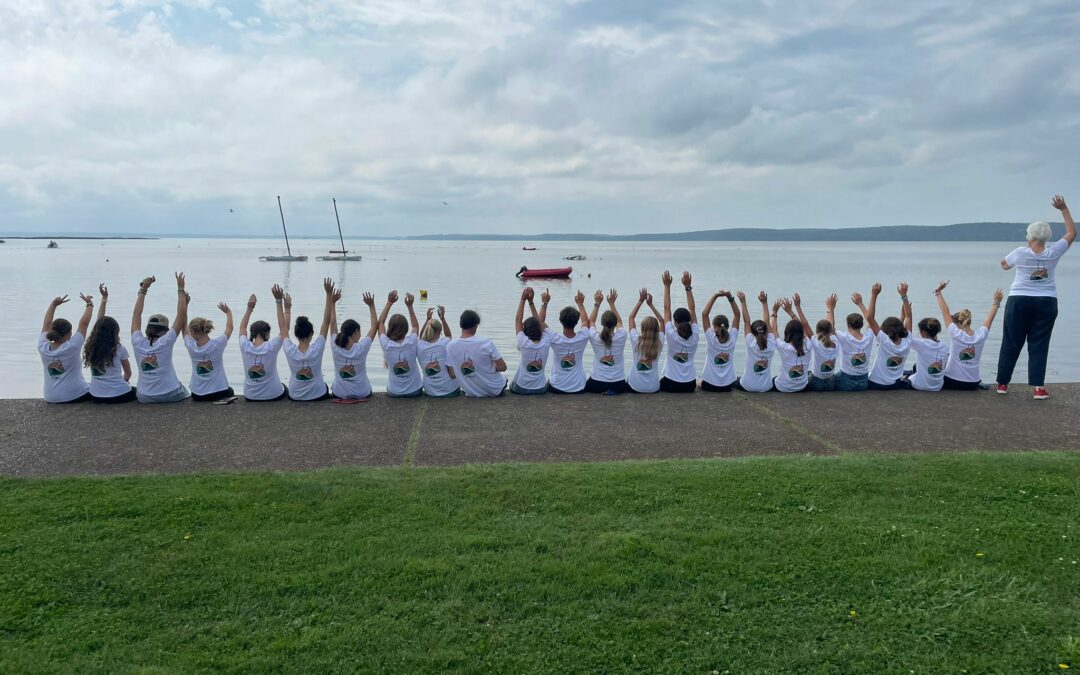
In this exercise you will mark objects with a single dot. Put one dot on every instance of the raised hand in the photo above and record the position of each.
(775, 306)
(666, 278)
(545, 297)
(251, 301)
(335, 296)
(857, 299)
(998, 296)
(224, 308)
(288, 302)
(328, 285)
(530, 293)
(1058, 202)
(797, 300)
(146, 283)
(648, 299)
(598, 296)
(941, 287)
(369, 299)
(762, 296)
(180, 281)
(642, 294)
(876, 289)
(902, 288)
(785, 303)
(187, 298)
(409, 299)
(830, 302)
(59, 300)
(104, 291)
(277, 292)
(442, 311)
(430, 313)
(686, 281)
(579, 298)
(612, 296)
(392, 297)
(741, 295)
(88, 299)
(525, 293)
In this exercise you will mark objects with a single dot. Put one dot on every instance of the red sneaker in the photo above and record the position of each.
(1041, 393)
(1002, 389)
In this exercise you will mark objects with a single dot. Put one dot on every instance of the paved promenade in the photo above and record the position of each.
(37, 439)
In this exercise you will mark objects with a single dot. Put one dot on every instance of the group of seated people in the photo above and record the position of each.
(426, 359)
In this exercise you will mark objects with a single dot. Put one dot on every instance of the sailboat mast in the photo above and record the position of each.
(338, 218)
(282, 212)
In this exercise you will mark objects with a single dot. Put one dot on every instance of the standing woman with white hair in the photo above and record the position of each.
(1032, 306)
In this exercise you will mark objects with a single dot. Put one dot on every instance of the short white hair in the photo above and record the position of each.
(1038, 231)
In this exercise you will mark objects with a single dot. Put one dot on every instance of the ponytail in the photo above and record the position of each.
(59, 329)
(760, 330)
(720, 327)
(824, 333)
(348, 327)
(608, 321)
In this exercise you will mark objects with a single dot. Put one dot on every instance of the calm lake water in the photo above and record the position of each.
(480, 275)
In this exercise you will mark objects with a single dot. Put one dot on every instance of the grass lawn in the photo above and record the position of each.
(853, 564)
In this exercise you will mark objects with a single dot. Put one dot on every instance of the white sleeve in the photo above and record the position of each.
(1013, 255)
(1059, 247)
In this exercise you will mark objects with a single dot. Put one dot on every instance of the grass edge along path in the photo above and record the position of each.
(853, 563)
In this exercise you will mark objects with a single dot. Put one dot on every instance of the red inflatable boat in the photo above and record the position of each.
(553, 273)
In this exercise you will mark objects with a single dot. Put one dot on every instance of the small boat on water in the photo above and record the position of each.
(53, 244)
(550, 273)
(283, 258)
(574, 257)
(342, 254)
(528, 248)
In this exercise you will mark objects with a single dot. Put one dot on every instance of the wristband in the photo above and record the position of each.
(689, 288)
(142, 291)
(279, 301)
(904, 298)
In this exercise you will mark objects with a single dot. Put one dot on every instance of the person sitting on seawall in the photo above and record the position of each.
(823, 348)
(153, 349)
(794, 350)
(855, 349)
(568, 347)
(1032, 307)
(349, 349)
(720, 340)
(108, 361)
(682, 334)
(893, 341)
(208, 379)
(439, 378)
(760, 346)
(475, 360)
(60, 351)
(534, 345)
(305, 355)
(930, 355)
(399, 349)
(646, 346)
(966, 345)
(259, 352)
(609, 346)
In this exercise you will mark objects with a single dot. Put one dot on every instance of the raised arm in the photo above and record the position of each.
(705, 320)
(391, 298)
(228, 319)
(655, 312)
(998, 296)
(869, 313)
(373, 318)
(283, 311)
(328, 307)
(446, 325)
(519, 317)
(409, 300)
(1070, 226)
(763, 298)
(772, 318)
(598, 299)
(612, 296)
(545, 298)
(689, 287)
(247, 315)
(745, 311)
(50, 312)
(136, 313)
(946, 315)
(807, 330)
(905, 305)
(666, 279)
(830, 312)
(579, 300)
(88, 313)
(104, 291)
(182, 300)
(637, 307)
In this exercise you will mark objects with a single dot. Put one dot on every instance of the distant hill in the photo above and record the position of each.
(960, 232)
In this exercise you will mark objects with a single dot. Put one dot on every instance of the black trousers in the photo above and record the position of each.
(1027, 319)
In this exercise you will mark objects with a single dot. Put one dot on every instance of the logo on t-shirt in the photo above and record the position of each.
(567, 361)
(534, 366)
(607, 359)
(935, 368)
(204, 367)
(56, 368)
(149, 363)
(257, 371)
(432, 368)
(96, 372)
(1040, 275)
(858, 359)
(644, 366)
(967, 354)
(680, 357)
(305, 374)
(401, 368)
(828, 365)
(468, 367)
(721, 359)
(894, 362)
(796, 371)
(347, 372)
(761, 366)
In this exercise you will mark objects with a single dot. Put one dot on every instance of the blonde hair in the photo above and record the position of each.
(1038, 231)
(431, 331)
(962, 318)
(200, 326)
(649, 342)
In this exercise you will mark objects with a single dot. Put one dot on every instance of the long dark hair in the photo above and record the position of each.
(58, 329)
(681, 319)
(397, 328)
(259, 329)
(608, 320)
(824, 333)
(795, 336)
(760, 330)
(894, 328)
(348, 327)
(99, 352)
(720, 326)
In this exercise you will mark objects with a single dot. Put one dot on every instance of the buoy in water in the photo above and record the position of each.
(423, 293)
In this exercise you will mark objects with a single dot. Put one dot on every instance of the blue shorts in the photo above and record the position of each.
(845, 382)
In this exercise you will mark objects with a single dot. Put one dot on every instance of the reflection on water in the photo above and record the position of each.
(480, 276)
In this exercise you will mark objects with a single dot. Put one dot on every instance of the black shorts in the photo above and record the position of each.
(554, 390)
(705, 386)
(214, 395)
(284, 393)
(673, 387)
(960, 385)
(122, 398)
(600, 387)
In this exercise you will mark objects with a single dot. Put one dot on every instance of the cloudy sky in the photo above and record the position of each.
(533, 115)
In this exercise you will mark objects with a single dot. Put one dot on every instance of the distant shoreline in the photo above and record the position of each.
(68, 237)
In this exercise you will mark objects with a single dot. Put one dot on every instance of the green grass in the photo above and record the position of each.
(683, 566)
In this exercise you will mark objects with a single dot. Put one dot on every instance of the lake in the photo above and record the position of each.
(480, 275)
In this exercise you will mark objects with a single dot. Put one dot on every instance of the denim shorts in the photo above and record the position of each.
(822, 384)
(845, 382)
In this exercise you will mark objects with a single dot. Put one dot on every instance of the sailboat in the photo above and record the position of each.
(284, 258)
(340, 254)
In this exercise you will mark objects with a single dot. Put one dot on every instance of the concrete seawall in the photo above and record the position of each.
(37, 439)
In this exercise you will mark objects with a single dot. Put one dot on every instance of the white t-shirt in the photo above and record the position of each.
(930, 357)
(261, 381)
(350, 369)
(305, 369)
(63, 369)
(854, 352)
(1035, 271)
(965, 351)
(720, 366)
(155, 363)
(757, 375)
(794, 369)
(110, 382)
(473, 359)
(608, 361)
(568, 371)
(822, 358)
(679, 365)
(533, 364)
(889, 364)
(644, 375)
(401, 360)
(432, 358)
(207, 365)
